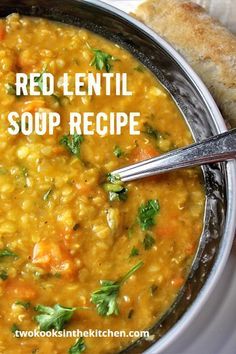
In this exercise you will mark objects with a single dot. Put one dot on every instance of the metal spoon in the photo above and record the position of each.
(215, 149)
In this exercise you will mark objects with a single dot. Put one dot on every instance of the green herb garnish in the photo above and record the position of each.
(72, 143)
(101, 60)
(47, 195)
(115, 188)
(78, 347)
(3, 275)
(39, 80)
(134, 252)
(7, 253)
(117, 151)
(25, 304)
(105, 298)
(148, 242)
(15, 328)
(11, 89)
(152, 132)
(139, 68)
(53, 317)
(147, 213)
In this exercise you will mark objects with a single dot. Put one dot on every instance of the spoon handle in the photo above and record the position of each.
(215, 149)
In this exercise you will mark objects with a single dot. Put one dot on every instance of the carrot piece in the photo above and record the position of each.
(2, 32)
(166, 231)
(20, 289)
(84, 188)
(53, 258)
(144, 153)
(178, 282)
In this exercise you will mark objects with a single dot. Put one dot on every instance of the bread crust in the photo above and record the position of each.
(208, 47)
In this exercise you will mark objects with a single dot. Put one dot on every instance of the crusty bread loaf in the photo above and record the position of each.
(204, 42)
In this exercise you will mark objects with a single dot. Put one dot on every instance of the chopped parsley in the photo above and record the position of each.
(105, 298)
(115, 188)
(78, 347)
(117, 151)
(25, 175)
(15, 328)
(147, 213)
(25, 304)
(11, 89)
(134, 252)
(39, 80)
(101, 60)
(47, 195)
(72, 143)
(3, 275)
(148, 242)
(7, 253)
(139, 68)
(53, 317)
(152, 132)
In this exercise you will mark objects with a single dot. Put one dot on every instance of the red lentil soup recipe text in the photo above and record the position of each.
(80, 250)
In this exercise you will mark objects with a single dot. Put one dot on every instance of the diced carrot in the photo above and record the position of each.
(178, 282)
(84, 188)
(53, 257)
(144, 153)
(58, 150)
(2, 32)
(20, 289)
(166, 231)
(190, 249)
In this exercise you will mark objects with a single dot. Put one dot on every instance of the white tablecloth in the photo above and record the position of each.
(224, 10)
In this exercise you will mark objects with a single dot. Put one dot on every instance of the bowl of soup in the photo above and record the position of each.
(78, 250)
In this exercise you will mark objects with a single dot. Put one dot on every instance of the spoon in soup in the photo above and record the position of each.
(218, 148)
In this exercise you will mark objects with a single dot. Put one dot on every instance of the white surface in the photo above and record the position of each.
(224, 10)
(214, 330)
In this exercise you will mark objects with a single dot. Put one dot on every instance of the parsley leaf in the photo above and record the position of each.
(117, 151)
(140, 68)
(78, 347)
(72, 143)
(148, 242)
(3, 275)
(105, 298)
(39, 80)
(25, 304)
(147, 213)
(101, 60)
(7, 253)
(47, 195)
(25, 175)
(134, 252)
(11, 89)
(115, 188)
(152, 132)
(15, 328)
(53, 317)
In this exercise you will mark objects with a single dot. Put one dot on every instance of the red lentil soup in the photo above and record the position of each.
(67, 236)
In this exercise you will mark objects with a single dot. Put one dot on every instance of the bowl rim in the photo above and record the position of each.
(230, 223)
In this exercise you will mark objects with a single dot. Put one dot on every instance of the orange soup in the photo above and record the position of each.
(80, 250)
